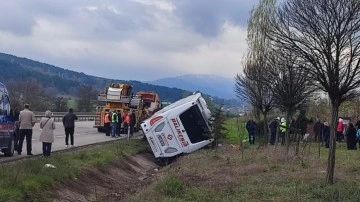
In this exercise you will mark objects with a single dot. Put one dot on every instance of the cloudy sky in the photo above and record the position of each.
(129, 39)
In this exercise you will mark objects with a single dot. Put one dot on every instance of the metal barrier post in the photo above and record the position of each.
(128, 133)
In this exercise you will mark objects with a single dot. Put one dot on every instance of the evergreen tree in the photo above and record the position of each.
(218, 128)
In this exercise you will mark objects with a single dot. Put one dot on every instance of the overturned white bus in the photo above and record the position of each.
(181, 127)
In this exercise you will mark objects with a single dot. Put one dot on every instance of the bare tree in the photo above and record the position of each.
(291, 86)
(256, 93)
(248, 87)
(326, 35)
(14, 89)
(86, 94)
(28, 91)
(60, 104)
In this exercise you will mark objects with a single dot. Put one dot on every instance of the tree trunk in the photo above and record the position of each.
(332, 142)
(266, 133)
(297, 139)
(257, 113)
(287, 132)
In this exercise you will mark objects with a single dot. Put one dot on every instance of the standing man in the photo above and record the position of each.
(282, 129)
(107, 122)
(126, 120)
(326, 134)
(132, 122)
(118, 127)
(17, 125)
(114, 122)
(251, 128)
(26, 121)
(274, 125)
(318, 128)
(69, 125)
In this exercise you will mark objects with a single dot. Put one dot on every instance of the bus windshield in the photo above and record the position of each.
(195, 124)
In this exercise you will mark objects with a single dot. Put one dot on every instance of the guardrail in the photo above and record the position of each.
(58, 117)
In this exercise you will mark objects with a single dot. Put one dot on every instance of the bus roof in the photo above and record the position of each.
(191, 98)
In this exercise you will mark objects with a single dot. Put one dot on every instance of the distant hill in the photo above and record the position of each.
(208, 84)
(62, 81)
(13, 68)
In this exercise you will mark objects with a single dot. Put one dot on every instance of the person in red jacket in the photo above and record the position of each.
(340, 130)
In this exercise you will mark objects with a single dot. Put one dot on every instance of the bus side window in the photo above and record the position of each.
(6, 105)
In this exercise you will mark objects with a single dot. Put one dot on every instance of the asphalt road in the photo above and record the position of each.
(85, 134)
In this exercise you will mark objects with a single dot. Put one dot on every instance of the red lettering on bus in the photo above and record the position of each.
(180, 135)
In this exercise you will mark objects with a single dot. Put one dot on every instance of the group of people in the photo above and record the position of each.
(345, 132)
(322, 132)
(349, 133)
(118, 122)
(276, 126)
(299, 126)
(26, 122)
(115, 123)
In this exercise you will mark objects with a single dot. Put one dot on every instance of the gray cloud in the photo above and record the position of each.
(14, 19)
(207, 16)
(128, 38)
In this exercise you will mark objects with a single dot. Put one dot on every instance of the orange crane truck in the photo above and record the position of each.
(118, 97)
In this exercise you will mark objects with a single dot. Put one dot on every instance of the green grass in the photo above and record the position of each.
(72, 104)
(29, 178)
(171, 187)
(237, 131)
(265, 174)
(262, 176)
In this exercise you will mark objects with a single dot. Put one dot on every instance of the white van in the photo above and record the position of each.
(181, 127)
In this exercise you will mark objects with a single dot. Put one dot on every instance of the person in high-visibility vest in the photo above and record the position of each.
(126, 119)
(107, 122)
(282, 129)
(114, 121)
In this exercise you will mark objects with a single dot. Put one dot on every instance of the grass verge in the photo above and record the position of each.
(236, 130)
(27, 179)
(265, 174)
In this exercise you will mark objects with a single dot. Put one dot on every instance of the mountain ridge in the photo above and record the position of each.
(206, 83)
(14, 68)
(63, 82)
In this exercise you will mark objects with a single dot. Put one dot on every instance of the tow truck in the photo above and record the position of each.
(151, 103)
(118, 97)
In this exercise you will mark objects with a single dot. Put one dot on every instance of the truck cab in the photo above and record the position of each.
(181, 127)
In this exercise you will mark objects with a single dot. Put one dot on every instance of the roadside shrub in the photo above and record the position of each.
(171, 186)
(218, 126)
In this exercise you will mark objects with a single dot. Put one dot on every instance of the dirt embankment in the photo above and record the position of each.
(115, 182)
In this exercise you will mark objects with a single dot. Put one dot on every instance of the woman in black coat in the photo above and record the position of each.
(351, 137)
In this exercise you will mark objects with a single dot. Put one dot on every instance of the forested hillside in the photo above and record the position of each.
(46, 86)
(66, 82)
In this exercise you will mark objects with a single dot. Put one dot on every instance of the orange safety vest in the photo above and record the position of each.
(107, 118)
(127, 118)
